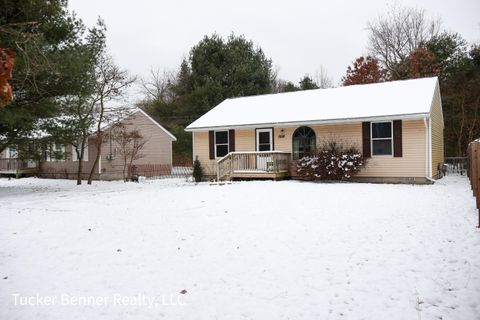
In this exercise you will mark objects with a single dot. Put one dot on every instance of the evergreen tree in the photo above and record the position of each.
(290, 87)
(197, 171)
(219, 69)
(306, 83)
(51, 64)
(216, 69)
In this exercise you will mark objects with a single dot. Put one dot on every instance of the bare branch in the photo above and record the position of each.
(393, 37)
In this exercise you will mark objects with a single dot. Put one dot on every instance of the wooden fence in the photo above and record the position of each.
(473, 171)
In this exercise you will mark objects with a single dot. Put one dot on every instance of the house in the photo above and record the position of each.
(157, 152)
(398, 125)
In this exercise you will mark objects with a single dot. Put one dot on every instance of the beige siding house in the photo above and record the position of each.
(398, 125)
(156, 152)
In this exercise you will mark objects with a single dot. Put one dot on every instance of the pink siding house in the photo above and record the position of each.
(157, 152)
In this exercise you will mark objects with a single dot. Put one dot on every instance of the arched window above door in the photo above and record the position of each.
(303, 141)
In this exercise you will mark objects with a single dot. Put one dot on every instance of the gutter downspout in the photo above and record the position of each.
(430, 169)
(427, 149)
(193, 147)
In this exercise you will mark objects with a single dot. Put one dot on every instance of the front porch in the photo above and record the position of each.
(17, 167)
(254, 165)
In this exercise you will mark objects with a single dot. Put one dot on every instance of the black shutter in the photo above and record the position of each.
(397, 138)
(211, 144)
(231, 140)
(366, 149)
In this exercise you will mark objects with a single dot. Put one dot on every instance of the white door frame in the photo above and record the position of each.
(264, 161)
(270, 131)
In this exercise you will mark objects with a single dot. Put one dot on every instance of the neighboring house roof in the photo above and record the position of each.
(107, 125)
(39, 134)
(402, 99)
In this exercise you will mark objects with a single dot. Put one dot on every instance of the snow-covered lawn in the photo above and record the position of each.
(249, 250)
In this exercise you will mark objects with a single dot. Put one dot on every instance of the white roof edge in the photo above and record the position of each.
(155, 122)
(411, 116)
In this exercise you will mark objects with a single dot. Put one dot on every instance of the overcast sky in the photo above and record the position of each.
(299, 36)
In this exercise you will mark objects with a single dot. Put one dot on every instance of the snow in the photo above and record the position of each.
(247, 250)
(395, 98)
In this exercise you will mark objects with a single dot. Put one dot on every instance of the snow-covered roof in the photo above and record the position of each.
(402, 99)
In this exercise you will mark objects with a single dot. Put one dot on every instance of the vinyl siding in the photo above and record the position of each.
(157, 150)
(244, 141)
(437, 134)
(413, 161)
(411, 164)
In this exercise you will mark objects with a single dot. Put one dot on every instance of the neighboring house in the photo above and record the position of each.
(157, 152)
(398, 125)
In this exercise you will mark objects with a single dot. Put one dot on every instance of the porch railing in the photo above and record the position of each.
(12, 164)
(253, 162)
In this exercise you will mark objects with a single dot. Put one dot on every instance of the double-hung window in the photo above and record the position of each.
(221, 143)
(382, 138)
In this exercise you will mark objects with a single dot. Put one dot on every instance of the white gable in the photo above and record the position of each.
(396, 98)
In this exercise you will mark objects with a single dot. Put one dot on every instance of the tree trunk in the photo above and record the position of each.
(79, 172)
(99, 140)
(97, 157)
(130, 165)
(462, 124)
(80, 161)
(124, 169)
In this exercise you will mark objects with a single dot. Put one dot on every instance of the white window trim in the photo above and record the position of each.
(221, 144)
(372, 139)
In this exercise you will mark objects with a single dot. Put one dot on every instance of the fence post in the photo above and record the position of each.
(476, 165)
(473, 168)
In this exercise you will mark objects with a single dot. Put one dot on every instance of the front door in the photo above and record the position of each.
(264, 143)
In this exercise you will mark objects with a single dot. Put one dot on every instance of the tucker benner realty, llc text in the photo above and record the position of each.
(114, 299)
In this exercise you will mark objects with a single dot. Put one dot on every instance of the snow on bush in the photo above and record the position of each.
(332, 161)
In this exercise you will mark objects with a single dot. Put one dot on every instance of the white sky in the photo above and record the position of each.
(299, 36)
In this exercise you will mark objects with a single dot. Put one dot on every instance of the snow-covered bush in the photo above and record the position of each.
(333, 160)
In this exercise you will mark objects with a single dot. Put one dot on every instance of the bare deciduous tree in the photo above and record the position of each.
(130, 144)
(393, 37)
(111, 82)
(322, 78)
(158, 87)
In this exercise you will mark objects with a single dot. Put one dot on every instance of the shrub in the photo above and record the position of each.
(332, 161)
(197, 171)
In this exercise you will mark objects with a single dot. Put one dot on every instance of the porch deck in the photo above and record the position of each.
(17, 167)
(254, 165)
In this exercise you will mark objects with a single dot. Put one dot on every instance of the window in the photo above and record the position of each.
(85, 152)
(382, 137)
(12, 152)
(221, 143)
(59, 152)
(54, 152)
(304, 141)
